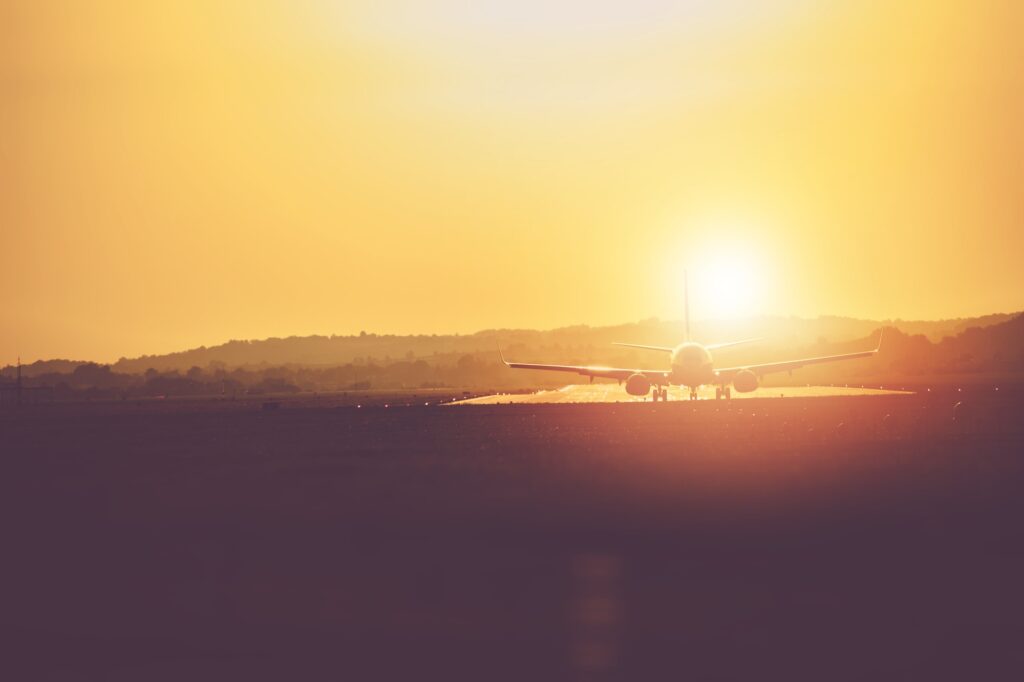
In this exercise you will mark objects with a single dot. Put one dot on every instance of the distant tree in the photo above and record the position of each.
(274, 385)
(195, 373)
(92, 374)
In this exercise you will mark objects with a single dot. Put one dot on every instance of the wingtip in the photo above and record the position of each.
(501, 355)
(881, 333)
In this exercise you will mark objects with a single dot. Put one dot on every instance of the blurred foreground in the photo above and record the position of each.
(841, 538)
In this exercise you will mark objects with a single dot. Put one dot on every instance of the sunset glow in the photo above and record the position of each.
(727, 288)
(182, 175)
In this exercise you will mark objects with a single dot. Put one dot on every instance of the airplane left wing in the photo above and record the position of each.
(621, 374)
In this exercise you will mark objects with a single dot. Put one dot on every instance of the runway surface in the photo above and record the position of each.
(613, 393)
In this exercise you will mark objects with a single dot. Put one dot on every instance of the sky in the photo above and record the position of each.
(181, 175)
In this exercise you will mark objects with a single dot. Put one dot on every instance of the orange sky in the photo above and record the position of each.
(182, 176)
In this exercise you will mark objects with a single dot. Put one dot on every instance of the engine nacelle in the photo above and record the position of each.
(745, 381)
(638, 384)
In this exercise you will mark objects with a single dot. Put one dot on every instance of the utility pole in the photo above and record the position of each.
(17, 384)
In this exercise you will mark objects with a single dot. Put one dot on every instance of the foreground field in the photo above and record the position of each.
(840, 538)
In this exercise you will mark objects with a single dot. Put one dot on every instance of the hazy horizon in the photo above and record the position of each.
(113, 356)
(696, 324)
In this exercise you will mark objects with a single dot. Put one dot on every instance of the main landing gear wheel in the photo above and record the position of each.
(723, 392)
(660, 394)
(693, 394)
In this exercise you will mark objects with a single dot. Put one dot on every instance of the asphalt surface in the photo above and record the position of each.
(614, 393)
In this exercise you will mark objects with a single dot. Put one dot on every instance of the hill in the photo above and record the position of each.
(321, 351)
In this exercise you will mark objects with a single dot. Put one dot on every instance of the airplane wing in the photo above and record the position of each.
(637, 345)
(790, 365)
(658, 377)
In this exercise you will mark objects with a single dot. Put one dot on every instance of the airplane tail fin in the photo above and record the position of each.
(686, 305)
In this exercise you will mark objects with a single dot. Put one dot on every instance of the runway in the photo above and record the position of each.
(614, 393)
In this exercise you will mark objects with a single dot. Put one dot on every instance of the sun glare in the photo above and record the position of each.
(723, 287)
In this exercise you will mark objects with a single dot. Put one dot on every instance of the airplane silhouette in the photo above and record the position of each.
(691, 366)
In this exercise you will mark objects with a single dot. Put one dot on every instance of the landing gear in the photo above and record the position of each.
(723, 392)
(659, 394)
(693, 393)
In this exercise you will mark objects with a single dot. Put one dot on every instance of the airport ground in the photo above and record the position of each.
(847, 537)
(607, 392)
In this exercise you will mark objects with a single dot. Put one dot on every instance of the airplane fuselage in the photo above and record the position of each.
(692, 366)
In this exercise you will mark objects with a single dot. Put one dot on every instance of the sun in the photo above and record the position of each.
(726, 286)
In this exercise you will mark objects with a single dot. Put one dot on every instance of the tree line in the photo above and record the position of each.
(998, 348)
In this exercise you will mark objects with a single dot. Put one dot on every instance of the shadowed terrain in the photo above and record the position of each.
(836, 538)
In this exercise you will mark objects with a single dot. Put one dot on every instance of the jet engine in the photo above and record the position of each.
(745, 381)
(638, 384)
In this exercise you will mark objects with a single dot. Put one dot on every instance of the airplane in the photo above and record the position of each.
(691, 366)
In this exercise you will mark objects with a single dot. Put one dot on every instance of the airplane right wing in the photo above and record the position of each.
(790, 365)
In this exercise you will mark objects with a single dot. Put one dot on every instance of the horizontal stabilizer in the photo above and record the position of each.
(636, 345)
(728, 344)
